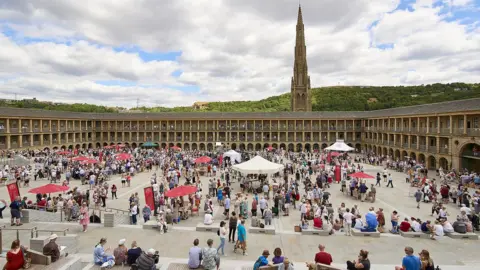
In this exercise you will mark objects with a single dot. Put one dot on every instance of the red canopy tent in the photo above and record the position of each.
(48, 188)
(361, 175)
(180, 191)
(270, 148)
(335, 154)
(203, 159)
(123, 156)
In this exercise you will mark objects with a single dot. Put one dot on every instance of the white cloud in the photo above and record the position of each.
(231, 50)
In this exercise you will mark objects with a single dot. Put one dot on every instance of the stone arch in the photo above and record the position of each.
(299, 147)
(55, 148)
(413, 156)
(443, 162)
(358, 147)
(194, 146)
(469, 156)
(46, 149)
(291, 147)
(283, 146)
(210, 146)
(308, 147)
(134, 145)
(275, 146)
(431, 163)
(250, 147)
(316, 147)
(179, 145)
(385, 151)
(202, 147)
(404, 154)
(422, 159)
(186, 147)
(266, 145)
(63, 147)
(324, 145)
(374, 149)
(390, 152)
(258, 147)
(140, 144)
(77, 146)
(70, 147)
(105, 144)
(170, 145)
(397, 154)
(112, 144)
(242, 147)
(233, 146)
(164, 145)
(90, 145)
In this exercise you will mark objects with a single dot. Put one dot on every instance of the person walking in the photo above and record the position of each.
(418, 197)
(84, 218)
(379, 178)
(390, 181)
(347, 222)
(222, 232)
(232, 227)
(114, 191)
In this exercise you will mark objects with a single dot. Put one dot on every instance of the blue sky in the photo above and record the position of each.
(148, 50)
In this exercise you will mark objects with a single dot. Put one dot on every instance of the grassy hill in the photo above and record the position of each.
(337, 98)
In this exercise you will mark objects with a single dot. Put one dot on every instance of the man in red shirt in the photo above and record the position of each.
(322, 256)
(405, 225)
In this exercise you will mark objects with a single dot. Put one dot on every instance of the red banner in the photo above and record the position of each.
(149, 197)
(13, 190)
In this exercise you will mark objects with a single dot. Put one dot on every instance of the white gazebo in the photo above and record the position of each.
(258, 165)
(340, 146)
(233, 155)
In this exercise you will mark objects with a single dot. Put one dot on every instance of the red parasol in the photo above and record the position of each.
(176, 148)
(123, 156)
(121, 145)
(270, 148)
(180, 191)
(361, 175)
(90, 161)
(203, 159)
(335, 154)
(48, 188)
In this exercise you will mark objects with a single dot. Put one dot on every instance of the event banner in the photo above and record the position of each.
(149, 197)
(13, 190)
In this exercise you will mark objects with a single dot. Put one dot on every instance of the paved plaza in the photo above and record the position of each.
(173, 246)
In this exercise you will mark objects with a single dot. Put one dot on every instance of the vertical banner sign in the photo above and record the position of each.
(13, 190)
(149, 197)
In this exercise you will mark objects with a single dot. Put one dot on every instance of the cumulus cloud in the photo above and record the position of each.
(230, 50)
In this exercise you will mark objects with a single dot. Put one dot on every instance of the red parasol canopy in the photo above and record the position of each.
(335, 154)
(270, 148)
(90, 161)
(48, 188)
(361, 175)
(176, 148)
(80, 158)
(121, 145)
(123, 156)
(180, 191)
(203, 159)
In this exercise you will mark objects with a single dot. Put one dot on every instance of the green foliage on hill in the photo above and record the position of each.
(348, 98)
(337, 98)
(76, 107)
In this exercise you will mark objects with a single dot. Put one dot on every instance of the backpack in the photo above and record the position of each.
(218, 232)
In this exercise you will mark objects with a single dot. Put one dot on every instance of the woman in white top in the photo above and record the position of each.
(208, 220)
(222, 232)
(438, 230)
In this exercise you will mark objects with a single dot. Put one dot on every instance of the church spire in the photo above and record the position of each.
(300, 90)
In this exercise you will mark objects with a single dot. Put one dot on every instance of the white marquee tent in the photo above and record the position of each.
(340, 146)
(233, 155)
(258, 165)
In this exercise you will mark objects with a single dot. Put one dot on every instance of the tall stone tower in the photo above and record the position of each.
(301, 96)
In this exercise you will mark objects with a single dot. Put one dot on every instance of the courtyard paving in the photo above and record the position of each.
(173, 246)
